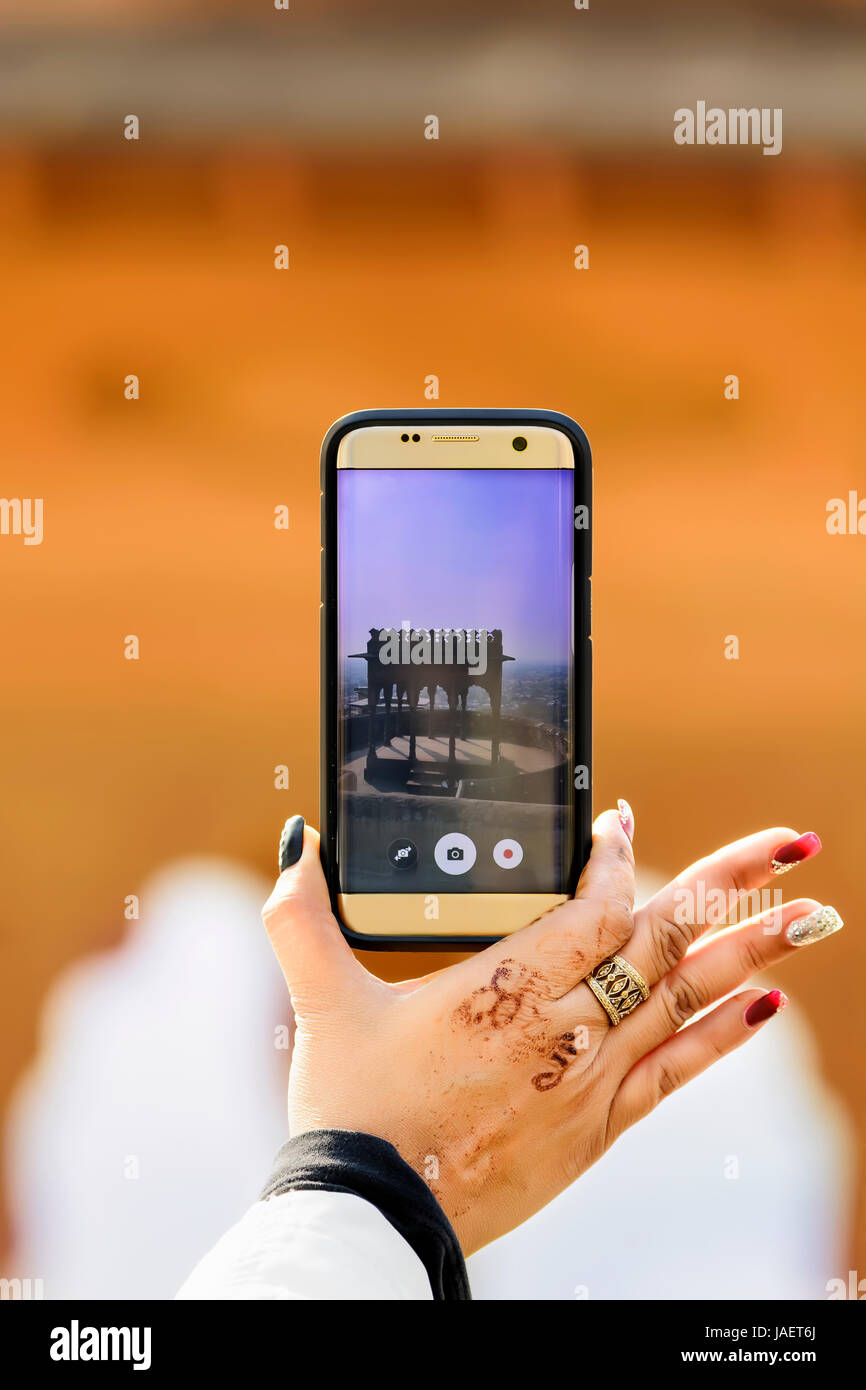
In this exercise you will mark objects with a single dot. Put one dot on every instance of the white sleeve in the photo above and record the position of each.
(313, 1245)
(342, 1216)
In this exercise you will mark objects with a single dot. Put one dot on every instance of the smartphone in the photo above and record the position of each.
(456, 774)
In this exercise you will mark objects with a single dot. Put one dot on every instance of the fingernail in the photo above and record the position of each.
(765, 1007)
(626, 819)
(820, 923)
(790, 855)
(291, 842)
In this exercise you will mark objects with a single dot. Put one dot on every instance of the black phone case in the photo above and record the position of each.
(582, 714)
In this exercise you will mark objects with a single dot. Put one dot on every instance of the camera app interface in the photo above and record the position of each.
(454, 613)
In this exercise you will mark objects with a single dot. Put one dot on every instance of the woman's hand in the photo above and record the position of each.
(500, 1079)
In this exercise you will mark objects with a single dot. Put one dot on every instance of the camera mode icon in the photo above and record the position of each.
(454, 853)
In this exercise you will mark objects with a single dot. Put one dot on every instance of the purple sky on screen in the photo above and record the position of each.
(458, 548)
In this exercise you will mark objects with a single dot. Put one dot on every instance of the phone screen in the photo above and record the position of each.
(455, 679)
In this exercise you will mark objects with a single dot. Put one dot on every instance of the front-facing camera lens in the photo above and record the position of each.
(519, 443)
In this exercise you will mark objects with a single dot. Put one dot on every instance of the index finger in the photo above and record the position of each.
(708, 893)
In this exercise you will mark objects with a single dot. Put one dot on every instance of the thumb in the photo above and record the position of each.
(607, 881)
(314, 956)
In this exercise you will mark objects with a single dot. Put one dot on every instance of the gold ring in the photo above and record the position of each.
(618, 987)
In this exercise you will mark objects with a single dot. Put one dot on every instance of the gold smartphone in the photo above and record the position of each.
(456, 685)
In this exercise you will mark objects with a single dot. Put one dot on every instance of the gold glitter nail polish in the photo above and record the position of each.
(824, 921)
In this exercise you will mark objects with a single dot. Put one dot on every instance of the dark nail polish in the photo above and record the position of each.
(626, 818)
(291, 842)
(790, 855)
(765, 1007)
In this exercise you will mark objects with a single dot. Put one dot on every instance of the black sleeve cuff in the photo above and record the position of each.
(337, 1160)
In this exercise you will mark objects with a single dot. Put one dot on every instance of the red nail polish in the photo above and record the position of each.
(788, 856)
(626, 819)
(765, 1007)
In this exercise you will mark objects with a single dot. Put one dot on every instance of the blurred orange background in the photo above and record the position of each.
(410, 258)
